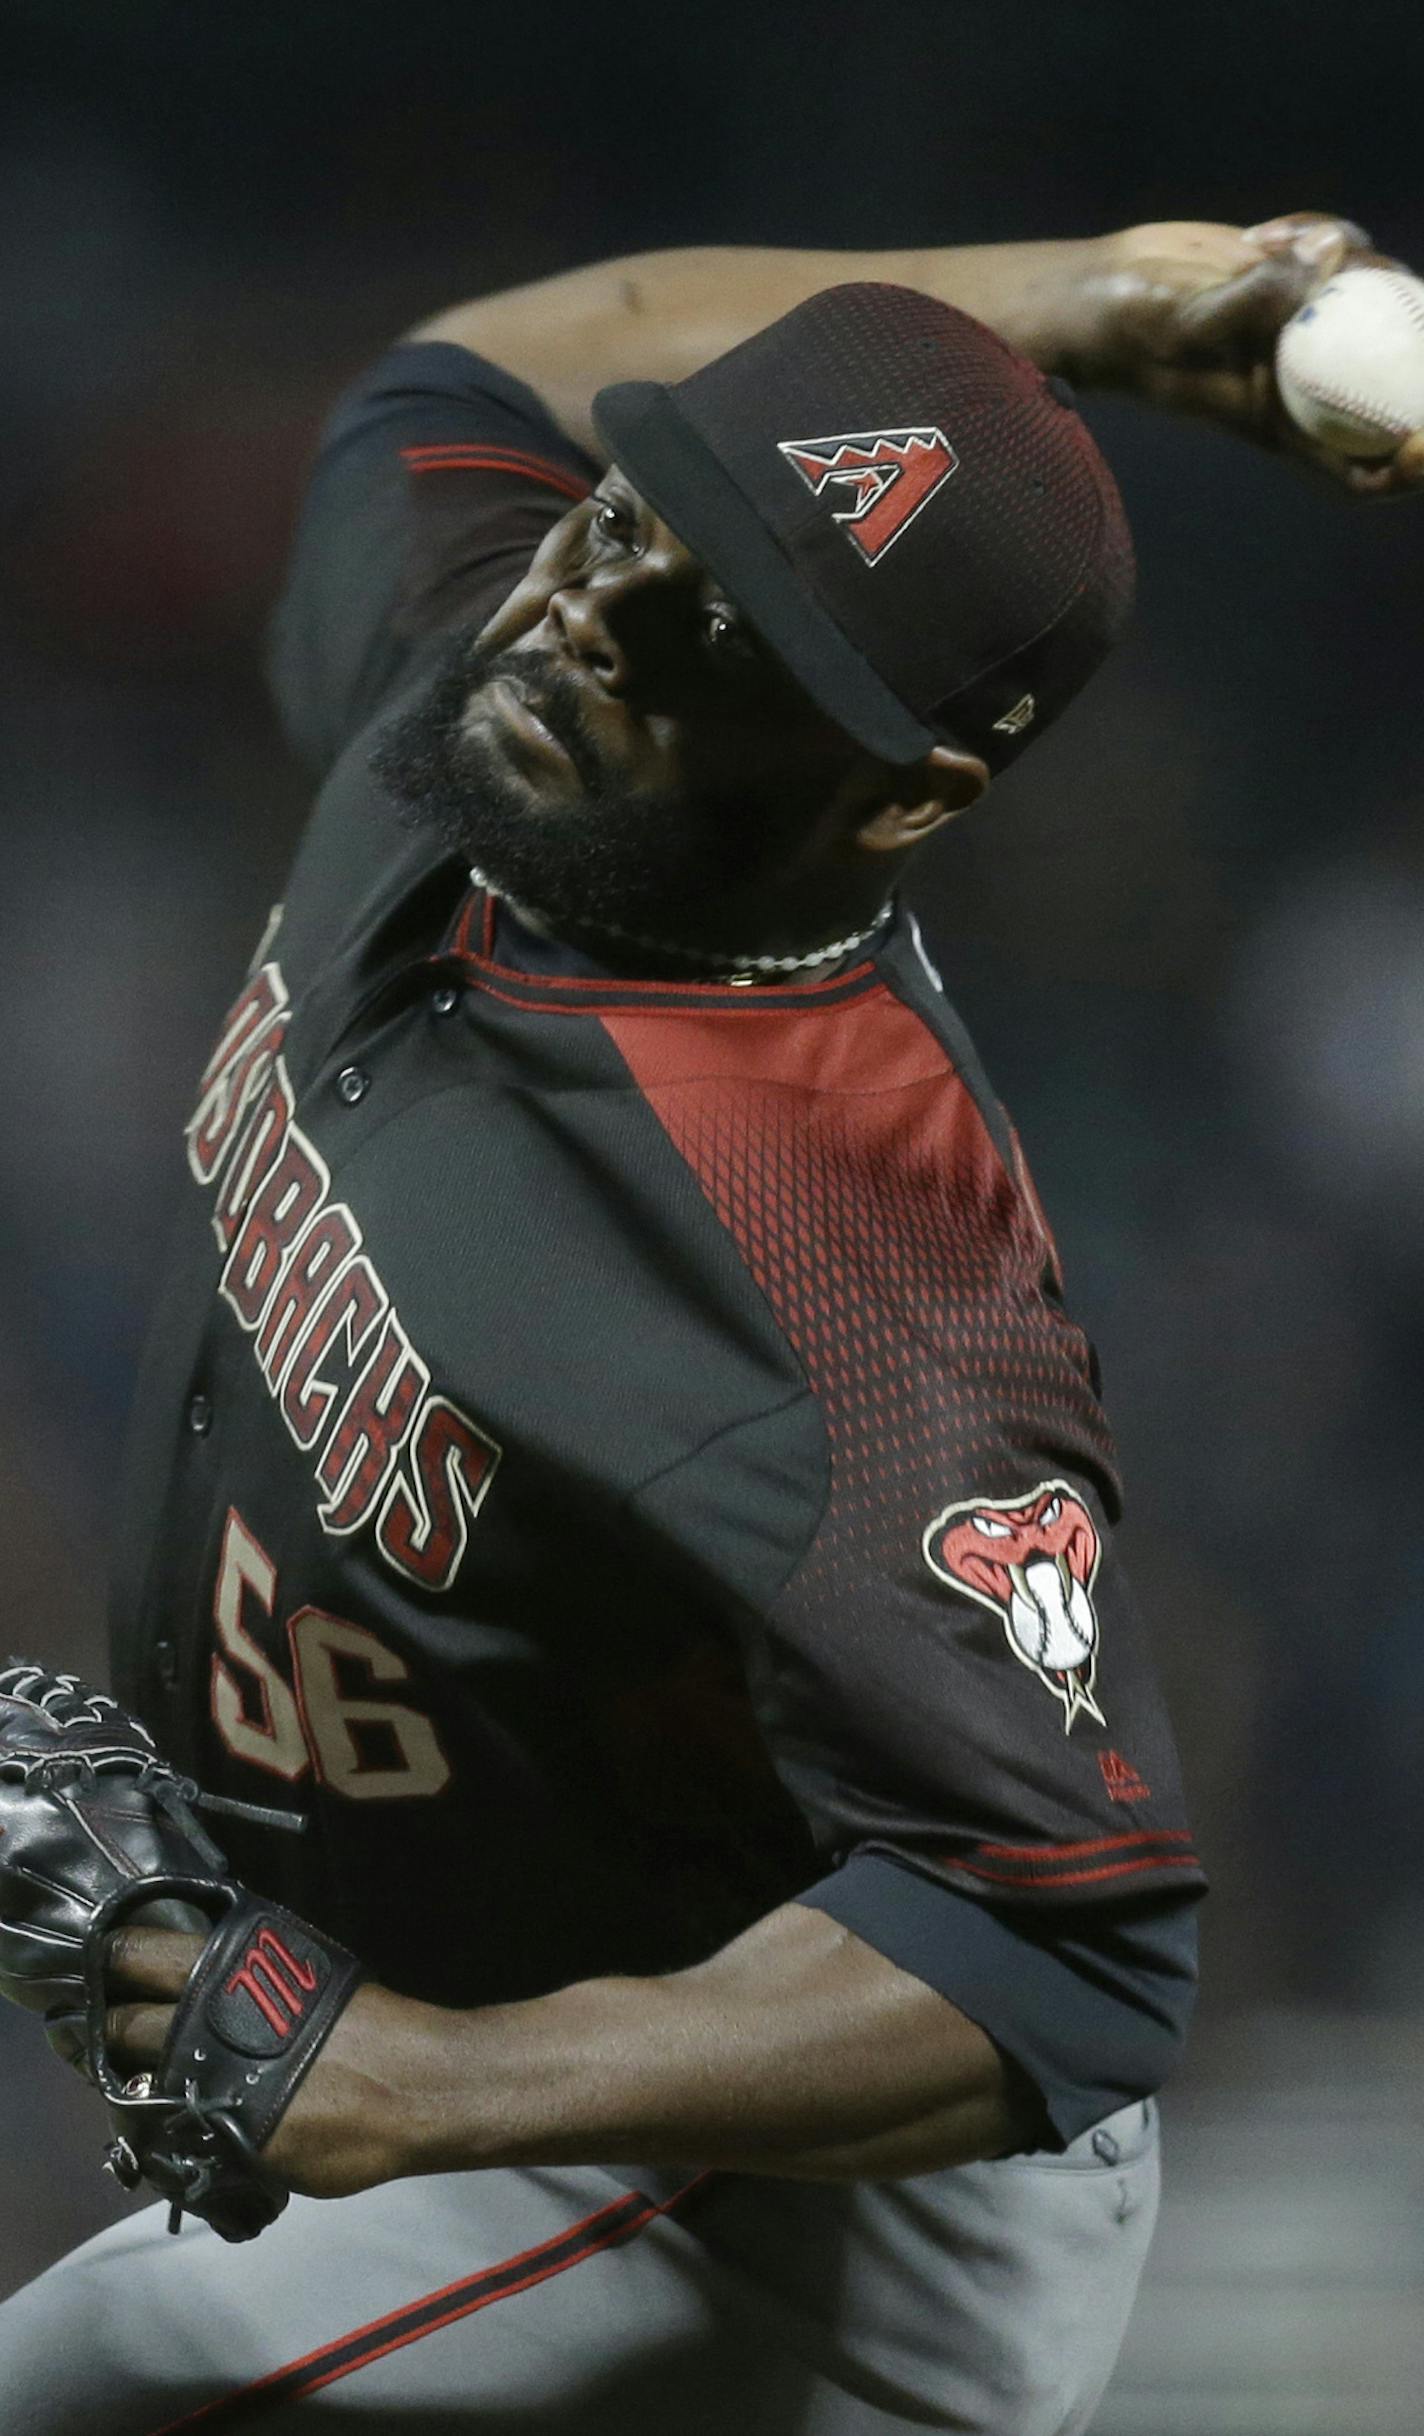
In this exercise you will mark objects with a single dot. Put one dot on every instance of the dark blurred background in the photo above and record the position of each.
(1188, 932)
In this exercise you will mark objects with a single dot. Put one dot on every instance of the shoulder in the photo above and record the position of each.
(434, 481)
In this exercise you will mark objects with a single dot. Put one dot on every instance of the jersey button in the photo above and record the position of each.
(445, 1000)
(352, 1084)
(165, 1663)
(200, 1415)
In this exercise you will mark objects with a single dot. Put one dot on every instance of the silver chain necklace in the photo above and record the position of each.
(739, 972)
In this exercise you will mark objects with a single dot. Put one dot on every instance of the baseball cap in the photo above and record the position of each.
(910, 514)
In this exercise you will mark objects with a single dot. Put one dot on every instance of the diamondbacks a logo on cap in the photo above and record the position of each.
(883, 479)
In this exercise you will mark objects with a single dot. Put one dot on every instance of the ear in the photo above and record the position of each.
(947, 781)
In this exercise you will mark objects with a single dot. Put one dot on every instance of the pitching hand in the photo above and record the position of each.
(1189, 315)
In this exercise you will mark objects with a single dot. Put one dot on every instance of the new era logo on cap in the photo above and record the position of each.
(884, 478)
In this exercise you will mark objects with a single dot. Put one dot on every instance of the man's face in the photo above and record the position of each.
(617, 745)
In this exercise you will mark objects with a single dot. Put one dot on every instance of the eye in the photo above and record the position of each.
(614, 523)
(990, 1528)
(726, 635)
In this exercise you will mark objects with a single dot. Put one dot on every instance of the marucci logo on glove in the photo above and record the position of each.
(1032, 1562)
(350, 1387)
(269, 1994)
(881, 478)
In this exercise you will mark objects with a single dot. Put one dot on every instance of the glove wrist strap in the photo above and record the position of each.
(263, 1996)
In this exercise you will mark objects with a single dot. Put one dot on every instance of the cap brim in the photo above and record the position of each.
(672, 467)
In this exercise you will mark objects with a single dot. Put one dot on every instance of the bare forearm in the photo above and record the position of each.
(796, 2051)
(658, 316)
(1180, 314)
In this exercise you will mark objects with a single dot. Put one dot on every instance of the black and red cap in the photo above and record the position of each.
(914, 519)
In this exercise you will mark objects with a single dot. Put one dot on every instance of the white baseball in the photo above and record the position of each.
(1350, 363)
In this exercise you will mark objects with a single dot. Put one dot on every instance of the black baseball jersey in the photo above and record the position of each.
(614, 1456)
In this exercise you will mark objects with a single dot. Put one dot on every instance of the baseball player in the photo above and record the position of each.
(690, 1887)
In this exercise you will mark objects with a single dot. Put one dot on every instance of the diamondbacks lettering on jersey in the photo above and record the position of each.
(351, 1389)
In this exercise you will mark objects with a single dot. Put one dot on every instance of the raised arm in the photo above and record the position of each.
(1182, 314)
(655, 317)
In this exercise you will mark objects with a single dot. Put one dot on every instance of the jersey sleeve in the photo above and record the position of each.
(1092, 2005)
(979, 1703)
(436, 478)
(951, 1671)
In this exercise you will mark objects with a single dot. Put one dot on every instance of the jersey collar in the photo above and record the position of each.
(501, 955)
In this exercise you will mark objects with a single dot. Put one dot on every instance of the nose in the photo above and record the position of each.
(598, 623)
(582, 628)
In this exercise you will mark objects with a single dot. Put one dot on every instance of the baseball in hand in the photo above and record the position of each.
(1350, 363)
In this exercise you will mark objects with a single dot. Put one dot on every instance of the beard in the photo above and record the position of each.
(611, 855)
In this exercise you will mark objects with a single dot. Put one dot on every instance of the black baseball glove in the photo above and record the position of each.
(97, 1831)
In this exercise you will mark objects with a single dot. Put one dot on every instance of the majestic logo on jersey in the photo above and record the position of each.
(1032, 1562)
(351, 1389)
(881, 479)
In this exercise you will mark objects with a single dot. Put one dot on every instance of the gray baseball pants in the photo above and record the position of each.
(988, 2299)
